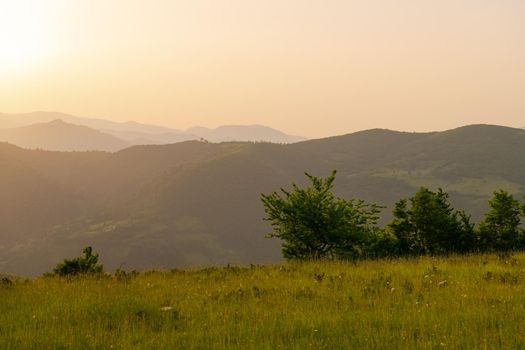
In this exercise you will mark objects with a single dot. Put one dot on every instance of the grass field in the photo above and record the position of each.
(472, 302)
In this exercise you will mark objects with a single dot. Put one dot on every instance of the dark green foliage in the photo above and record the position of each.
(430, 225)
(466, 239)
(314, 224)
(5, 282)
(500, 228)
(87, 264)
(381, 244)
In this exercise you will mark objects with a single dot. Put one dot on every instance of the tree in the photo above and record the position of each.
(430, 225)
(87, 264)
(314, 224)
(409, 239)
(500, 230)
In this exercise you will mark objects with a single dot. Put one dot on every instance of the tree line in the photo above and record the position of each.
(315, 224)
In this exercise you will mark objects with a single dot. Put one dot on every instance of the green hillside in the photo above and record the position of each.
(197, 203)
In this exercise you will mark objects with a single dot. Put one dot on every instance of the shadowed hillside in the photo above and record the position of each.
(197, 203)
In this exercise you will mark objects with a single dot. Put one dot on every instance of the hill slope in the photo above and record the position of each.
(197, 203)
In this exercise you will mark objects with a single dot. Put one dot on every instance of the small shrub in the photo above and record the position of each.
(319, 277)
(87, 264)
(123, 276)
(6, 282)
(489, 275)
(508, 278)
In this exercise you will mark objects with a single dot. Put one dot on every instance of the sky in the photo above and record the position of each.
(312, 68)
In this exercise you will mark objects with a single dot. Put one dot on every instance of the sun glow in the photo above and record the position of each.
(23, 36)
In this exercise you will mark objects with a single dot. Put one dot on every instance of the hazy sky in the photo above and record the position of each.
(308, 67)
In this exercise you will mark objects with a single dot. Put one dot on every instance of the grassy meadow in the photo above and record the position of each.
(459, 302)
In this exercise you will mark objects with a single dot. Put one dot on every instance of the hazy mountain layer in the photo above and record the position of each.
(25, 119)
(58, 135)
(244, 133)
(197, 203)
(133, 133)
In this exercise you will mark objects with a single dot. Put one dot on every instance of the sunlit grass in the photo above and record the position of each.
(426, 303)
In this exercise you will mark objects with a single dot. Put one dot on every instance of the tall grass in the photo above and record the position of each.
(459, 302)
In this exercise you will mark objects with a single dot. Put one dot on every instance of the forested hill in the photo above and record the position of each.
(197, 203)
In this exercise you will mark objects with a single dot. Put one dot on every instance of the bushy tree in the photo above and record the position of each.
(87, 264)
(427, 224)
(380, 244)
(500, 229)
(314, 224)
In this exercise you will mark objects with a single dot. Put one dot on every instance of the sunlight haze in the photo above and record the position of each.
(311, 68)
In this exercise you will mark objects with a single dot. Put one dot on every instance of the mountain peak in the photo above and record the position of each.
(58, 122)
(253, 133)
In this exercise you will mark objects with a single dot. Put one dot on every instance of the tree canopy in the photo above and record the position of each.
(313, 223)
(427, 223)
(500, 229)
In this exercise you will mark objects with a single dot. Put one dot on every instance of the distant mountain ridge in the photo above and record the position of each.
(249, 132)
(197, 203)
(25, 119)
(133, 133)
(58, 135)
